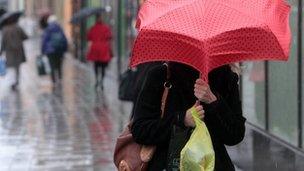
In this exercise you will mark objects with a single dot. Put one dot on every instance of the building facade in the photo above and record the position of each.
(126, 32)
(272, 92)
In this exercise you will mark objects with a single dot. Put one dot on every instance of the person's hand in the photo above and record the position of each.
(189, 122)
(203, 92)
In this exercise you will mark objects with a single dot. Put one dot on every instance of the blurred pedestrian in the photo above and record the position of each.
(100, 52)
(217, 103)
(12, 45)
(54, 45)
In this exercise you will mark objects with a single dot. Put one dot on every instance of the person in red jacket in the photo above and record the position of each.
(100, 52)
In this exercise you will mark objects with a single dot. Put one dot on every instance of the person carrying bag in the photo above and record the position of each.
(179, 137)
(131, 156)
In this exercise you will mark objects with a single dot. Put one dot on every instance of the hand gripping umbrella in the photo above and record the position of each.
(206, 34)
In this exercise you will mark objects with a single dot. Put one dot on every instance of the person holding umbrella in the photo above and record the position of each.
(100, 52)
(199, 41)
(219, 106)
(12, 43)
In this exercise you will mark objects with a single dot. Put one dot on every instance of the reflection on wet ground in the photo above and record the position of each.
(260, 152)
(69, 128)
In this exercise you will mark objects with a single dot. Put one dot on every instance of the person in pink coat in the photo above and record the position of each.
(100, 52)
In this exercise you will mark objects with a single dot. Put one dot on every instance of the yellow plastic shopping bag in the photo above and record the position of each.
(198, 153)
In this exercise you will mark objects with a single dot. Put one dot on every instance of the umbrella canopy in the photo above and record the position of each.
(10, 17)
(84, 13)
(206, 34)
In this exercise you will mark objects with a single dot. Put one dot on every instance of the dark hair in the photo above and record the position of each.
(98, 17)
(43, 22)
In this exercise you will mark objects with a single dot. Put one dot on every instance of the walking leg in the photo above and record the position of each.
(17, 77)
(96, 74)
(17, 69)
(53, 75)
(60, 68)
(103, 73)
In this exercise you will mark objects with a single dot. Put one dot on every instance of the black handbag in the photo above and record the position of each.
(178, 140)
(41, 69)
(127, 86)
(131, 81)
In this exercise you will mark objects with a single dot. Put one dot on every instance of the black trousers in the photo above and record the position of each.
(17, 72)
(56, 66)
(100, 71)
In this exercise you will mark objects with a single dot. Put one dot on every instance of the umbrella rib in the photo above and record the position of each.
(169, 11)
(245, 14)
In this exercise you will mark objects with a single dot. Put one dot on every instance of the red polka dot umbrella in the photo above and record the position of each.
(206, 34)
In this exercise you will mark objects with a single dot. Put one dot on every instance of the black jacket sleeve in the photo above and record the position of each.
(148, 128)
(224, 116)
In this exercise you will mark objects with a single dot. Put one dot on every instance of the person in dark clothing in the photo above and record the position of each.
(220, 108)
(12, 44)
(54, 45)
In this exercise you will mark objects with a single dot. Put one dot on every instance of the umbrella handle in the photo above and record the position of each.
(204, 78)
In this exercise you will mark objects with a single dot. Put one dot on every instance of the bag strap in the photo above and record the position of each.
(167, 87)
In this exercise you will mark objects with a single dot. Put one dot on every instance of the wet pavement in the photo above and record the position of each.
(261, 152)
(69, 128)
(74, 126)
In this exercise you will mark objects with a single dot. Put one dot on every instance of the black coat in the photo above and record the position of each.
(223, 118)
